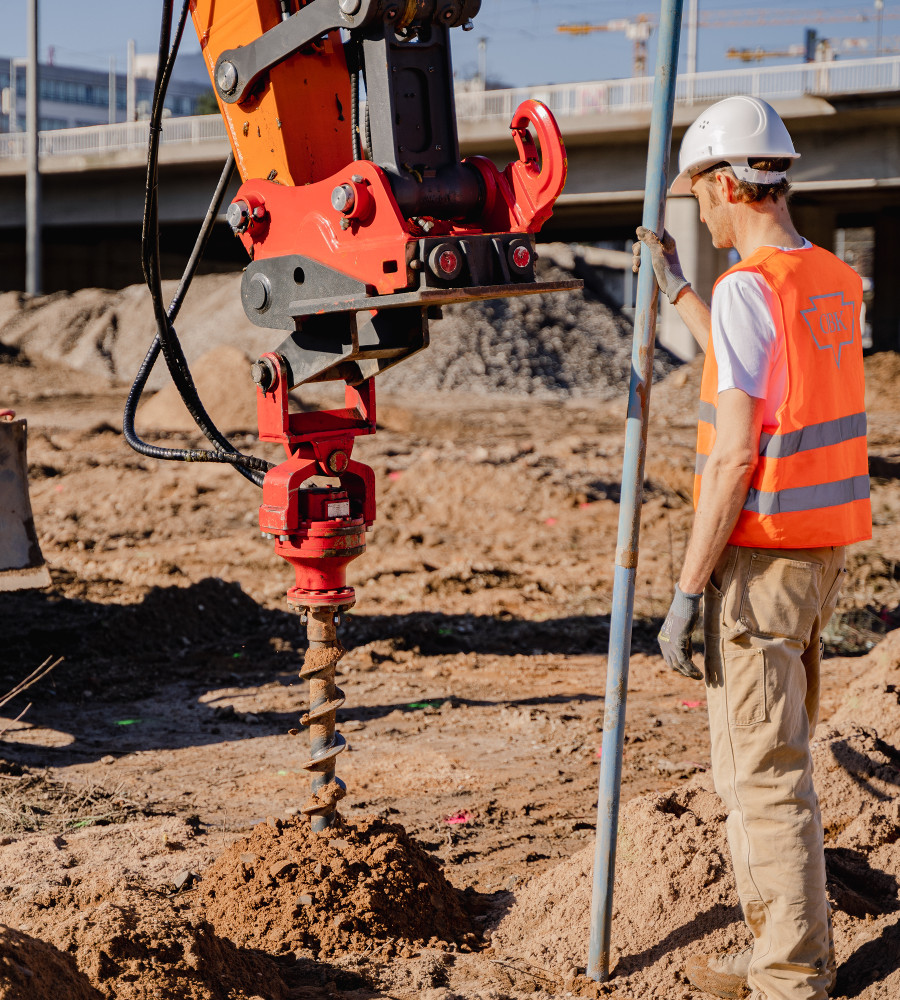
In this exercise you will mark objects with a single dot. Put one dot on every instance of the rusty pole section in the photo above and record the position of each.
(630, 506)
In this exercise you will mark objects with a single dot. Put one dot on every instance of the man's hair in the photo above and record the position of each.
(747, 191)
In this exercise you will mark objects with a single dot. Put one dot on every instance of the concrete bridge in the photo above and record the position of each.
(844, 118)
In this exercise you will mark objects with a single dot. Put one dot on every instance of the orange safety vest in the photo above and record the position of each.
(810, 487)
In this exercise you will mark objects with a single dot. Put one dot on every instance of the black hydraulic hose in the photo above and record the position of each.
(140, 381)
(166, 339)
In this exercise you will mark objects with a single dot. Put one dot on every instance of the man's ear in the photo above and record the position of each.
(727, 185)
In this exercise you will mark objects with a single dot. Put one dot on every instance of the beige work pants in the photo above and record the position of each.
(764, 610)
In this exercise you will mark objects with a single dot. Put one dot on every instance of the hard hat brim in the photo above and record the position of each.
(682, 183)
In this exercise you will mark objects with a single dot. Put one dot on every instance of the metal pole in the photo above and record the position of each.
(879, 7)
(112, 90)
(32, 174)
(130, 112)
(631, 497)
(13, 97)
(692, 46)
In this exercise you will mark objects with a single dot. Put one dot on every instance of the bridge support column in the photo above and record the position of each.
(701, 263)
(816, 223)
(885, 315)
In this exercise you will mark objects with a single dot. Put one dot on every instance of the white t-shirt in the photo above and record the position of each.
(748, 337)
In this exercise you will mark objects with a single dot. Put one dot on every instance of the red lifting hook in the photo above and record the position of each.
(520, 200)
(536, 185)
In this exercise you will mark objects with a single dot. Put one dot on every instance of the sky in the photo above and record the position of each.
(523, 45)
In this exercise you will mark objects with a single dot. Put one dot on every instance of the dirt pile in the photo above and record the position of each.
(100, 919)
(222, 377)
(362, 887)
(569, 344)
(874, 698)
(106, 333)
(679, 898)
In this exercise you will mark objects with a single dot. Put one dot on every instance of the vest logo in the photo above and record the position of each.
(832, 322)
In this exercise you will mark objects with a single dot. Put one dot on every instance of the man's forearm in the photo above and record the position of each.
(723, 491)
(695, 314)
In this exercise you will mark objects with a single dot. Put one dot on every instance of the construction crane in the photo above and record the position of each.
(638, 30)
(815, 49)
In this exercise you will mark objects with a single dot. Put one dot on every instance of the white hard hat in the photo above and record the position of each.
(735, 130)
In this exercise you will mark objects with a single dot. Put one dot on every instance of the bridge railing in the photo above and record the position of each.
(566, 100)
(856, 76)
(94, 140)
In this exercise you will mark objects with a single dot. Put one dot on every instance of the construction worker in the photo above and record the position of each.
(781, 487)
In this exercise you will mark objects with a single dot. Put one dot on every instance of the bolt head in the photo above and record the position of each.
(345, 223)
(237, 215)
(343, 198)
(521, 256)
(263, 373)
(445, 261)
(257, 295)
(226, 77)
(338, 460)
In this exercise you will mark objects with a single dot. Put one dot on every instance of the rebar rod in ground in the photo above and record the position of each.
(325, 650)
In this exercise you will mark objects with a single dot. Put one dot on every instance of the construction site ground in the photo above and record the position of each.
(131, 863)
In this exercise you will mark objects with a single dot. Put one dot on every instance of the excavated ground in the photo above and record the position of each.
(132, 859)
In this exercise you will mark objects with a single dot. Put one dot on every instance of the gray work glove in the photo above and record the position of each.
(666, 265)
(675, 634)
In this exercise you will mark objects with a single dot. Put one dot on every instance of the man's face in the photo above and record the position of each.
(707, 189)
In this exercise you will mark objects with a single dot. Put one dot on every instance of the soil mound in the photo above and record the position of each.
(34, 970)
(563, 344)
(222, 377)
(111, 926)
(106, 333)
(873, 699)
(363, 887)
(679, 898)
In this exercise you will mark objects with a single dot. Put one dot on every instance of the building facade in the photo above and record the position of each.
(71, 97)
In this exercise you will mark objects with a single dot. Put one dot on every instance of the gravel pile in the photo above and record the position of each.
(565, 343)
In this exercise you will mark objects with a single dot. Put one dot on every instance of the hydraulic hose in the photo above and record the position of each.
(166, 339)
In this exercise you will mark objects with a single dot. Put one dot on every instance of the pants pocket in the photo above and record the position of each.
(745, 686)
(780, 598)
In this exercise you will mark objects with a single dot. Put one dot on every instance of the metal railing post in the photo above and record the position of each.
(631, 497)
(33, 255)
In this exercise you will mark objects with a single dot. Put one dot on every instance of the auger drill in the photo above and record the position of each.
(354, 247)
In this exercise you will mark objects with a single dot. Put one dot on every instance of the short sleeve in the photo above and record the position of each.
(744, 333)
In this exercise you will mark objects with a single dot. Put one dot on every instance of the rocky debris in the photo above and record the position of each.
(558, 344)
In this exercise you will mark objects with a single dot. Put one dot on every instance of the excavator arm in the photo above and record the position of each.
(340, 231)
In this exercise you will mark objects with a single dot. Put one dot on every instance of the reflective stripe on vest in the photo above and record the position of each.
(793, 442)
(810, 487)
(808, 497)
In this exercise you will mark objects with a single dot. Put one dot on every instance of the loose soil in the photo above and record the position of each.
(150, 841)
